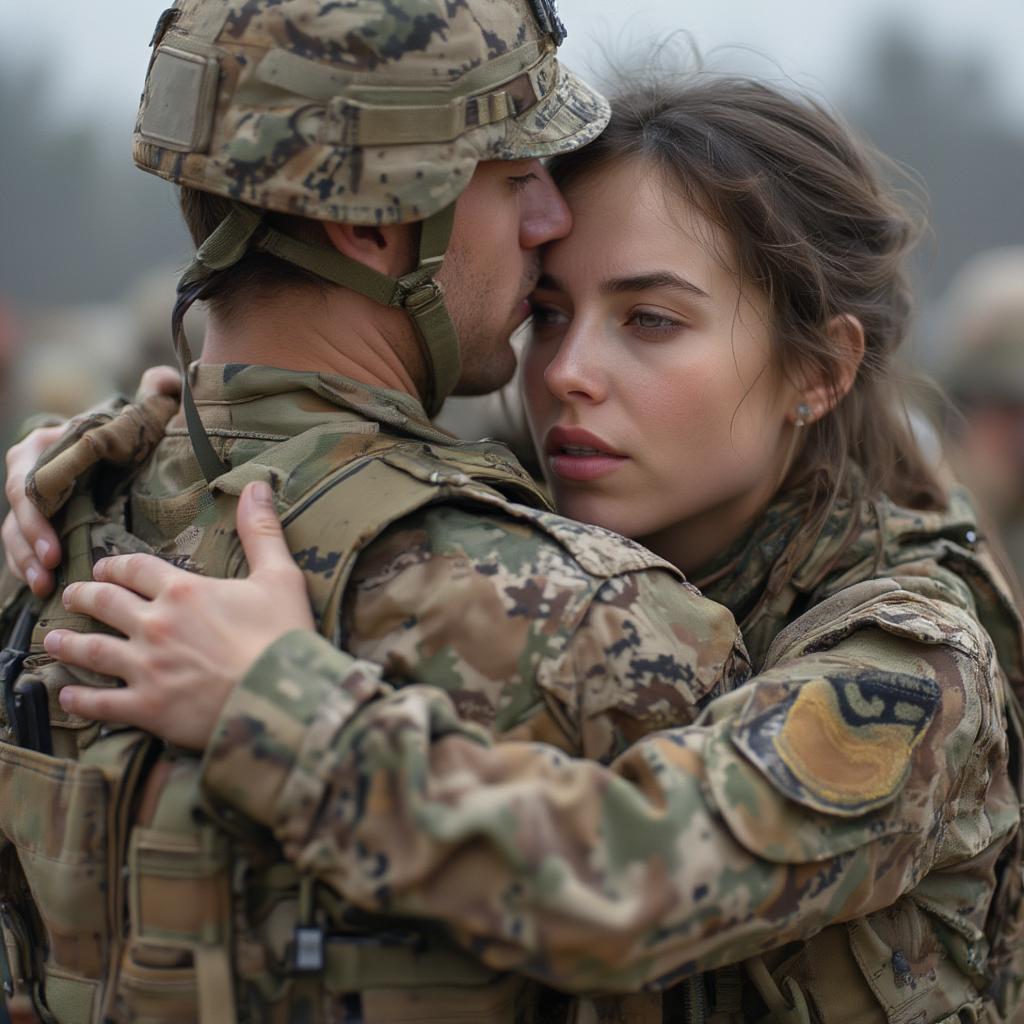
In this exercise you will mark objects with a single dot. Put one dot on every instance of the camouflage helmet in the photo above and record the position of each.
(364, 112)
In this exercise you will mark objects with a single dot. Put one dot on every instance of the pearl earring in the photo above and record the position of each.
(803, 412)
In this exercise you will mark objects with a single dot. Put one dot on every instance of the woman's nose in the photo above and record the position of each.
(573, 373)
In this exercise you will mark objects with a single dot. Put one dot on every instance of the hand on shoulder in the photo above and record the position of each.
(187, 639)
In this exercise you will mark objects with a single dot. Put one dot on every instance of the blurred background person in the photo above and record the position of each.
(979, 326)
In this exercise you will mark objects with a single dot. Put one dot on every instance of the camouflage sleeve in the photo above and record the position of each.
(529, 644)
(819, 792)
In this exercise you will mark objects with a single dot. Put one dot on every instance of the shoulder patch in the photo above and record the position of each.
(840, 744)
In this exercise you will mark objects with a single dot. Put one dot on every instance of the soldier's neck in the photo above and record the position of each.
(338, 333)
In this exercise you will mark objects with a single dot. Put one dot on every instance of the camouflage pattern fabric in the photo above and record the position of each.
(600, 642)
(843, 823)
(363, 112)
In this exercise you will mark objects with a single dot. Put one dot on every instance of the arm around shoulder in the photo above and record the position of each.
(808, 796)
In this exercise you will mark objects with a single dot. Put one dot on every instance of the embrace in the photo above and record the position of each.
(320, 714)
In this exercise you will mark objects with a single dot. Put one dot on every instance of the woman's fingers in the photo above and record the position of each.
(38, 549)
(144, 574)
(120, 705)
(20, 557)
(260, 531)
(108, 655)
(159, 380)
(112, 605)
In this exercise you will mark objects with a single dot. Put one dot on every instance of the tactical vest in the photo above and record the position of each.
(123, 896)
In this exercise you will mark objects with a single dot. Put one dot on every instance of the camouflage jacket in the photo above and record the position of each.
(536, 627)
(843, 824)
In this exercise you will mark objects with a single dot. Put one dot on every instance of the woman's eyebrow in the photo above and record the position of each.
(632, 283)
(653, 279)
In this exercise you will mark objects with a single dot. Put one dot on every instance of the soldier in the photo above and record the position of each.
(837, 839)
(326, 152)
(981, 323)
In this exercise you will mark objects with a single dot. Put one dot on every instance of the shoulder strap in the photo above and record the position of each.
(355, 504)
(334, 518)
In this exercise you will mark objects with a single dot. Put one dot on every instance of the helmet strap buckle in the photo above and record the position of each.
(420, 296)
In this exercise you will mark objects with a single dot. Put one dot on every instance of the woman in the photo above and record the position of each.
(711, 374)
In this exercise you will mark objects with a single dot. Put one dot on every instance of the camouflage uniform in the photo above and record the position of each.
(844, 825)
(598, 642)
(121, 897)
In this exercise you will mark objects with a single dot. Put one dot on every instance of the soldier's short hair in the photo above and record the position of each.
(257, 273)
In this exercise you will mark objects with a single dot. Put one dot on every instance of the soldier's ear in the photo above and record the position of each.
(388, 248)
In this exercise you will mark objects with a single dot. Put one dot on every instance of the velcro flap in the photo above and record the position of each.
(179, 889)
(181, 94)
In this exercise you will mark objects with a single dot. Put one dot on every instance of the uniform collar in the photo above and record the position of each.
(247, 399)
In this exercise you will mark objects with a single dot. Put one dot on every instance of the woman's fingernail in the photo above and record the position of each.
(31, 576)
(262, 494)
(67, 699)
(69, 592)
(43, 548)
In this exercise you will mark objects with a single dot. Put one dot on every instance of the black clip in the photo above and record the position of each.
(32, 716)
(13, 656)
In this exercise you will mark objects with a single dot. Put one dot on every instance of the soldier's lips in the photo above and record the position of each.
(577, 455)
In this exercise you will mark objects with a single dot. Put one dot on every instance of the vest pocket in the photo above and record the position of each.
(65, 823)
(151, 994)
(177, 965)
(910, 972)
(59, 823)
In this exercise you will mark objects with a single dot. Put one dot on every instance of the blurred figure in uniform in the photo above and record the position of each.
(983, 317)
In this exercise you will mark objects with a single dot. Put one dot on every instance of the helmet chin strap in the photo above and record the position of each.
(418, 293)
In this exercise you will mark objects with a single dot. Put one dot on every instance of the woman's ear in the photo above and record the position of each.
(819, 396)
(386, 248)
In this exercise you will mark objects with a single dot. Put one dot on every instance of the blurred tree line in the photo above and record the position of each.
(81, 223)
(937, 115)
(79, 220)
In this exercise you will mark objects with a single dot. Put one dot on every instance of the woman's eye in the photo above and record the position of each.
(546, 316)
(649, 321)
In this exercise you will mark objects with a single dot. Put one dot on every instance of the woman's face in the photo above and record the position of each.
(652, 394)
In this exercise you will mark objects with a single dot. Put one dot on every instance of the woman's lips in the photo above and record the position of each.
(578, 455)
(584, 467)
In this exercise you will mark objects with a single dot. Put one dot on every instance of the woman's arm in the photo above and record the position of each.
(826, 788)
(31, 547)
(823, 789)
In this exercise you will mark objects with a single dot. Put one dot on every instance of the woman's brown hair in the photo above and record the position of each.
(813, 226)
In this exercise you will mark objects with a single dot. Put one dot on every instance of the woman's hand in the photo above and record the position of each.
(188, 639)
(31, 546)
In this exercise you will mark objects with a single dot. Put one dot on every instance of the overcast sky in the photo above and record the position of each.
(100, 45)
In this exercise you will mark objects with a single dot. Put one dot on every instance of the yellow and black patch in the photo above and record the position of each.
(840, 743)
